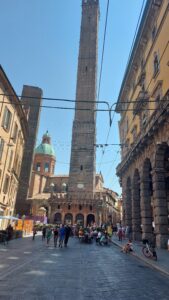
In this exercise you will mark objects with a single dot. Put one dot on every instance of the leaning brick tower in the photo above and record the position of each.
(82, 165)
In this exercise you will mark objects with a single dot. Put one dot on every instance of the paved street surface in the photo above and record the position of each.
(162, 263)
(31, 270)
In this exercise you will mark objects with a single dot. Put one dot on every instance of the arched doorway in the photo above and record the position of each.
(58, 218)
(136, 211)
(69, 219)
(90, 219)
(80, 219)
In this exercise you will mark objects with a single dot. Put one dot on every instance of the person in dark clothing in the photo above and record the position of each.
(55, 235)
(43, 233)
(9, 231)
(67, 234)
(34, 233)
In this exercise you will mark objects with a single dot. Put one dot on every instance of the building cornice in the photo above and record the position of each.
(149, 15)
(15, 101)
(156, 120)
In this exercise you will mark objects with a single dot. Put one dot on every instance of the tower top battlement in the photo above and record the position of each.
(89, 2)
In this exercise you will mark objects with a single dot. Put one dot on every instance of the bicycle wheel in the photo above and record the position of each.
(146, 252)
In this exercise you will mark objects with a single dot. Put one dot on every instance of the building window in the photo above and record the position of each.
(141, 81)
(69, 207)
(38, 167)
(15, 165)
(46, 167)
(10, 160)
(127, 144)
(6, 185)
(156, 64)
(81, 168)
(91, 208)
(157, 93)
(1, 147)
(144, 118)
(133, 85)
(15, 133)
(80, 207)
(142, 63)
(6, 119)
(154, 32)
(134, 133)
(58, 206)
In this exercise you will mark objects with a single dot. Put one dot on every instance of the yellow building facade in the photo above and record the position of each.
(143, 105)
(13, 132)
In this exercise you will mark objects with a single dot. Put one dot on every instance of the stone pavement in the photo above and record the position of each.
(162, 263)
(29, 270)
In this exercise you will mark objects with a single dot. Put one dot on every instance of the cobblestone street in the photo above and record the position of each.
(30, 270)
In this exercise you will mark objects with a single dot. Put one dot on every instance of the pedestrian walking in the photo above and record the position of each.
(61, 235)
(48, 235)
(43, 233)
(9, 231)
(120, 233)
(55, 235)
(34, 233)
(68, 231)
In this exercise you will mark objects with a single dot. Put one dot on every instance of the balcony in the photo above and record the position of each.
(141, 102)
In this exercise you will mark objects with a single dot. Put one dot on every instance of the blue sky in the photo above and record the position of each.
(39, 47)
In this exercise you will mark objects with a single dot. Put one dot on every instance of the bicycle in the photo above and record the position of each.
(148, 250)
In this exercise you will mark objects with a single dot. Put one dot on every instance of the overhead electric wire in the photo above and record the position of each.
(52, 99)
(127, 64)
(140, 15)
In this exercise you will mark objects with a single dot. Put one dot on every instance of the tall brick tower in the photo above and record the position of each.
(31, 99)
(82, 164)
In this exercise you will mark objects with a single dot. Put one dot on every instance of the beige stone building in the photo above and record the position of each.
(48, 194)
(13, 132)
(143, 104)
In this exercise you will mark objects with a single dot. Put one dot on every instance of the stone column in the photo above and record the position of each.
(160, 207)
(128, 206)
(136, 216)
(49, 214)
(146, 209)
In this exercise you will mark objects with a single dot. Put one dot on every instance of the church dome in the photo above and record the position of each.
(45, 147)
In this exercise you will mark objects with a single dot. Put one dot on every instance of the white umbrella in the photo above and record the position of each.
(8, 218)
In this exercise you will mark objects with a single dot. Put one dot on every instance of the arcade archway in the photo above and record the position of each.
(80, 219)
(68, 219)
(90, 219)
(58, 218)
